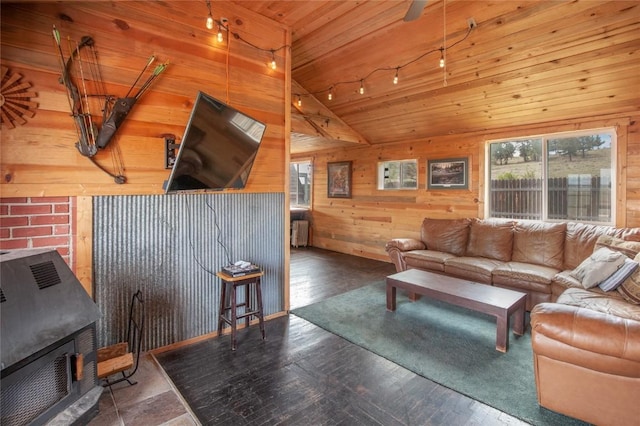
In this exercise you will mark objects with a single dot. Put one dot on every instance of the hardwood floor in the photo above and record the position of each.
(300, 375)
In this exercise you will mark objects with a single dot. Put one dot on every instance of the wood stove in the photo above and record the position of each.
(48, 342)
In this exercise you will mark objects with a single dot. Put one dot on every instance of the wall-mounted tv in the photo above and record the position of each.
(218, 149)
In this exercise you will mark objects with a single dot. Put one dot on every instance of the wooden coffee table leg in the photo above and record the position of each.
(502, 332)
(518, 317)
(391, 297)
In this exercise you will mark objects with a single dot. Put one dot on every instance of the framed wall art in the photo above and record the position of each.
(339, 179)
(451, 173)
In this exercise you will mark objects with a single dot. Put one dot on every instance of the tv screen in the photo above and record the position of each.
(218, 148)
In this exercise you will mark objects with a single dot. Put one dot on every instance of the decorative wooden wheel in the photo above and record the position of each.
(15, 100)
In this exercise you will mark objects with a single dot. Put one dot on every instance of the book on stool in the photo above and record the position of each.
(240, 268)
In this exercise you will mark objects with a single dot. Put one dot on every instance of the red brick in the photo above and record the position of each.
(13, 200)
(61, 208)
(30, 209)
(64, 251)
(59, 219)
(61, 230)
(5, 233)
(34, 231)
(9, 221)
(50, 241)
(4, 209)
(49, 200)
(14, 244)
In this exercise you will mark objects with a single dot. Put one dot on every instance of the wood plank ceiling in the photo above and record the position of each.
(526, 62)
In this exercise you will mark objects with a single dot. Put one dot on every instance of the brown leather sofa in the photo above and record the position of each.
(532, 257)
(587, 362)
(586, 343)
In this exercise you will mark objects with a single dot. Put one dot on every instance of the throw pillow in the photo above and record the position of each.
(597, 267)
(619, 276)
(630, 289)
(628, 248)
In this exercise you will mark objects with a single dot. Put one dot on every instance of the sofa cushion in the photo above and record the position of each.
(581, 238)
(491, 239)
(628, 248)
(539, 243)
(447, 235)
(476, 269)
(525, 276)
(429, 260)
(630, 288)
(598, 267)
(600, 302)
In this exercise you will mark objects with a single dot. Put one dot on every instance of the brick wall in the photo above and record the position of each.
(39, 222)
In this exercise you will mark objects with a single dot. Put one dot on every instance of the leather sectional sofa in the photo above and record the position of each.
(586, 342)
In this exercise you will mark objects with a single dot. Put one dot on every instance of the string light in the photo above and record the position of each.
(220, 36)
(210, 17)
(443, 49)
(299, 101)
(273, 60)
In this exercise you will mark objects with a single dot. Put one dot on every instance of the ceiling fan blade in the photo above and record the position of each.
(415, 10)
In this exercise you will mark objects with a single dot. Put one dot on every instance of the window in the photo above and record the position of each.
(401, 174)
(300, 184)
(564, 176)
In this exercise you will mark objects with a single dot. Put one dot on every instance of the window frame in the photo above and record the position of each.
(545, 137)
(380, 172)
(310, 164)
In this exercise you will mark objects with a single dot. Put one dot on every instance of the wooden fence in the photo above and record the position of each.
(580, 198)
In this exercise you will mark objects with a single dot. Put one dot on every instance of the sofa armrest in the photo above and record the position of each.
(405, 244)
(397, 246)
(583, 337)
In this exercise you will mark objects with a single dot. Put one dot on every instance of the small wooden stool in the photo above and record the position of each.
(250, 309)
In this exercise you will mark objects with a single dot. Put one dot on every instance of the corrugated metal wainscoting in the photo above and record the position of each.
(169, 247)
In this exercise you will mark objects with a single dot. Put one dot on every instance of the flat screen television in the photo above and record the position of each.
(218, 149)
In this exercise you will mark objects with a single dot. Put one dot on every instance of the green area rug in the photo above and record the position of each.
(452, 346)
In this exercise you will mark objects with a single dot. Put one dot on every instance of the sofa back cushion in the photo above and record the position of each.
(539, 243)
(447, 235)
(492, 239)
(581, 239)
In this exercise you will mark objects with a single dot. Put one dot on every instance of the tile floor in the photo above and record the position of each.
(151, 402)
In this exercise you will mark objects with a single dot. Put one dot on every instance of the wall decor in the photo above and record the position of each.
(15, 99)
(452, 173)
(339, 179)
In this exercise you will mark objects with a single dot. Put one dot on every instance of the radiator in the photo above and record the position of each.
(299, 233)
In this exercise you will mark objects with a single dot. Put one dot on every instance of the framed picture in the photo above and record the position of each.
(339, 179)
(452, 173)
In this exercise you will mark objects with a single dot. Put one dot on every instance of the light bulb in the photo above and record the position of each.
(299, 101)
(220, 37)
(273, 60)
(210, 22)
(330, 97)
(361, 88)
(395, 79)
(442, 57)
(441, 62)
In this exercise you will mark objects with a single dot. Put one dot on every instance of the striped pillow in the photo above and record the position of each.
(630, 288)
(619, 276)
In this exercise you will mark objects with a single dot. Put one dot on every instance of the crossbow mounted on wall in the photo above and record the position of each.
(92, 139)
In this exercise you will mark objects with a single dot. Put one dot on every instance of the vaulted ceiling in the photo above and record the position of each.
(524, 63)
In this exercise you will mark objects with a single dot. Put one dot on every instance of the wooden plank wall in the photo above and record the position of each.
(363, 224)
(39, 158)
